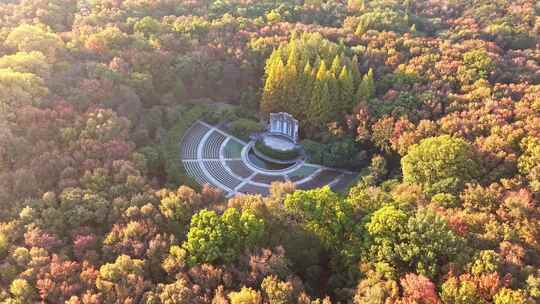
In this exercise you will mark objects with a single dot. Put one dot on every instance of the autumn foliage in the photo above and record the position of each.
(436, 104)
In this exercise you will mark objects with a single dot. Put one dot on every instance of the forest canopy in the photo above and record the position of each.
(434, 104)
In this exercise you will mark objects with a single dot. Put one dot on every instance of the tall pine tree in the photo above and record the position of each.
(355, 73)
(305, 87)
(272, 99)
(366, 89)
(320, 108)
(291, 83)
(346, 85)
(336, 66)
(334, 89)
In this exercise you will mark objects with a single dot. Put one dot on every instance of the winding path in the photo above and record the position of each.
(212, 156)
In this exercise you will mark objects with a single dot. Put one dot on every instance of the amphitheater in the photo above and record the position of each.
(212, 156)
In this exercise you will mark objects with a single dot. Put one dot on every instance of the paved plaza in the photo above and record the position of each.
(279, 143)
(212, 156)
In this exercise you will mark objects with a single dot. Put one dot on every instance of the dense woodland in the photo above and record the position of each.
(435, 102)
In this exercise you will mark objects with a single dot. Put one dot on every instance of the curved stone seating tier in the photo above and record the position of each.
(212, 145)
(191, 140)
(253, 189)
(268, 179)
(239, 168)
(216, 169)
(194, 170)
(323, 178)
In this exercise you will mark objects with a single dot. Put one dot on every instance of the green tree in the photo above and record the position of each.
(305, 86)
(455, 292)
(355, 72)
(277, 292)
(19, 89)
(420, 244)
(440, 164)
(384, 228)
(273, 16)
(122, 281)
(427, 243)
(213, 238)
(335, 105)
(291, 82)
(244, 127)
(147, 26)
(533, 285)
(245, 296)
(476, 65)
(4, 244)
(383, 19)
(486, 262)
(366, 88)
(346, 90)
(509, 296)
(529, 161)
(272, 93)
(320, 108)
(22, 291)
(378, 286)
(108, 41)
(28, 38)
(329, 217)
(336, 66)
(27, 62)
(297, 81)
(179, 292)
(179, 205)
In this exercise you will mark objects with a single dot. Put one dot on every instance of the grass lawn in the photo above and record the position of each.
(233, 149)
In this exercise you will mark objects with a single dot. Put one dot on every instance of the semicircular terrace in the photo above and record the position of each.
(212, 156)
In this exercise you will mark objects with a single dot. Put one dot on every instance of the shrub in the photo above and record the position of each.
(221, 238)
(176, 174)
(440, 164)
(243, 128)
(342, 152)
(314, 150)
(217, 113)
